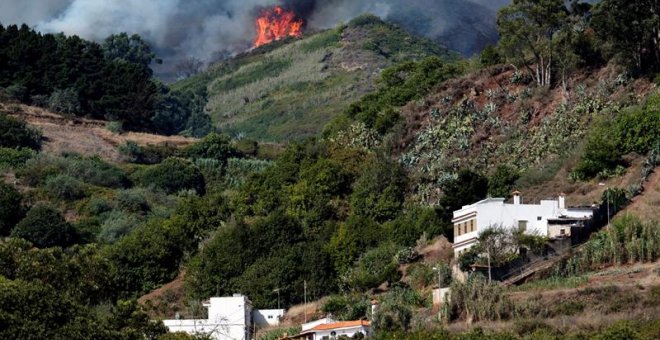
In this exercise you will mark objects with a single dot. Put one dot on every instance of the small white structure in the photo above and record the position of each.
(531, 218)
(267, 317)
(333, 330)
(229, 318)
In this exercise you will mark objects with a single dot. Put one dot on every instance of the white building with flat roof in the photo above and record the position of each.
(229, 318)
(472, 219)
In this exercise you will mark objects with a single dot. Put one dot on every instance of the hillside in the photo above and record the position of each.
(289, 90)
(88, 137)
(493, 117)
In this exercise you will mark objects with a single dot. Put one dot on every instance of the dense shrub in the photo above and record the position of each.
(11, 210)
(214, 146)
(64, 101)
(399, 85)
(44, 226)
(501, 183)
(636, 130)
(15, 133)
(94, 170)
(173, 175)
(64, 187)
(490, 56)
(132, 201)
(116, 225)
(14, 157)
(346, 307)
(626, 240)
(478, 300)
(149, 154)
(375, 267)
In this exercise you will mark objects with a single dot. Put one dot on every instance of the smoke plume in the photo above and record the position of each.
(208, 28)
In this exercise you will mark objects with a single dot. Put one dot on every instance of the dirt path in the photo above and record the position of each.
(84, 136)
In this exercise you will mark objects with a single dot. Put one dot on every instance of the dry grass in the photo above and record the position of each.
(84, 136)
(647, 205)
(296, 314)
(603, 298)
(584, 193)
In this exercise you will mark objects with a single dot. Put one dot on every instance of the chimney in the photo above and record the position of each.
(516, 197)
(562, 201)
(374, 309)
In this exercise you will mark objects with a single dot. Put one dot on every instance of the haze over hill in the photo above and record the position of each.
(115, 186)
(291, 89)
(211, 29)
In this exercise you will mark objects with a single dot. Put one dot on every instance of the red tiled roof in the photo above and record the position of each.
(341, 324)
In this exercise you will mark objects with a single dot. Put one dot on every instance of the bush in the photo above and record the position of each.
(98, 206)
(150, 154)
(489, 56)
(64, 187)
(637, 130)
(501, 183)
(14, 157)
(117, 225)
(421, 275)
(45, 227)
(132, 201)
(174, 175)
(64, 101)
(11, 210)
(373, 268)
(346, 307)
(15, 133)
(94, 170)
(213, 146)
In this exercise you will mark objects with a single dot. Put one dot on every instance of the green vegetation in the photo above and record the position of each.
(45, 227)
(626, 240)
(173, 175)
(337, 216)
(635, 130)
(109, 81)
(290, 89)
(11, 209)
(16, 134)
(399, 85)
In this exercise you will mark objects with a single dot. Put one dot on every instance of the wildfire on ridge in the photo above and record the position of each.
(275, 24)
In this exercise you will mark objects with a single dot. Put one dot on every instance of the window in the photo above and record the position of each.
(471, 225)
(539, 218)
(455, 230)
(522, 225)
(562, 232)
(270, 316)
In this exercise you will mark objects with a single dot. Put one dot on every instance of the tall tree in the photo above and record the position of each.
(134, 50)
(527, 29)
(632, 31)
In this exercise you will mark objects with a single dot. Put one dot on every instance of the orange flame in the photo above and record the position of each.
(275, 24)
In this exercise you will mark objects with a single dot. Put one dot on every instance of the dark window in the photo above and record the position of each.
(539, 218)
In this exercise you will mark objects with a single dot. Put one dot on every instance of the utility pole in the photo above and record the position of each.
(305, 293)
(490, 277)
(278, 297)
(607, 197)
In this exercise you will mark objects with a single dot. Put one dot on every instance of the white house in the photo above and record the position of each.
(267, 317)
(531, 218)
(335, 329)
(229, 318)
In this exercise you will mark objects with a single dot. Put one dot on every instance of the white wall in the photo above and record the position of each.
(494, 212)
(267, 317)
(349, 332)
(201, 327)
(229, 319)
